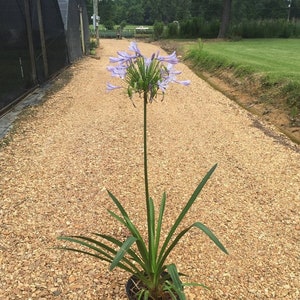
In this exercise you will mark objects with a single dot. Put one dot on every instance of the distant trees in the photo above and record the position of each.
(225, 12)
(149, 11)
(225, 19)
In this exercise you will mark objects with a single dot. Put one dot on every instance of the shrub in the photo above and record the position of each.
(198, 27)
(173, 30)
(109, 25)
(265, 29)
(123, 24)
(158, 29)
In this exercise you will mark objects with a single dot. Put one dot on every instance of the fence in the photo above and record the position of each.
(126, 33)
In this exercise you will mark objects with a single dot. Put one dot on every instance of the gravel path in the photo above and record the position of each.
(82, 140)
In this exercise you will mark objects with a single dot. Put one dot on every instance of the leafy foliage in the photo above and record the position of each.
(149, 11)
(158, 29)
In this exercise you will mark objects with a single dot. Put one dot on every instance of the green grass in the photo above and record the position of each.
(277, 58)
(276, 62)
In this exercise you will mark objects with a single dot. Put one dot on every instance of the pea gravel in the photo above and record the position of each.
(64, 153)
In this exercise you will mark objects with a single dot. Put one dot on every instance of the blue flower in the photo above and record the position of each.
(172, 58)
(183, 82)
(145, 75)
(133, 47)
(111, 87)
(123, 58)
(117, 71)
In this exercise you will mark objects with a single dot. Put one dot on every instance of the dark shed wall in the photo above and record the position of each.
(70, 10)
(15, 68)
(56, 48)
(86, 23)
(18, 72)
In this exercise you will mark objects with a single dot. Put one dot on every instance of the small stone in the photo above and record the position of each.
(72, 279)
(56, 293)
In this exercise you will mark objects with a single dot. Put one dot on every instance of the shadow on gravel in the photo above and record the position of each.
(22, 110)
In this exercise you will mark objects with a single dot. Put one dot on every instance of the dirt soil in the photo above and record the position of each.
(63, 155)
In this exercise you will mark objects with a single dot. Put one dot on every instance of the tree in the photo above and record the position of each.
(210, 11)
(225, 19)
(107, 11)
(89, 7)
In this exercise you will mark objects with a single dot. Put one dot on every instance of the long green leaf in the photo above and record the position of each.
(172, 270)
(172, 288)
(209, 233)
(146, 295)
(120, 254)
(151, 235)
(200, 226)
(139, 242)
(86, 252)
(118, 204)
(186, 209)
(134, 231)
(105, 257)
(127, 223)
(81, 240)
(172, 292)
(117, 217)
(159, 222)
(195, 284)
(134, 256)
(121, 266)
(143, 293)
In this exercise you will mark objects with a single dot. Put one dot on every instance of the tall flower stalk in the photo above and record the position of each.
(147, 77)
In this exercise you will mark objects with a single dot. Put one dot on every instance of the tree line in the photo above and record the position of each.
(226, 12)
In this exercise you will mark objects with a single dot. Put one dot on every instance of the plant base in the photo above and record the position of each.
(134, 285)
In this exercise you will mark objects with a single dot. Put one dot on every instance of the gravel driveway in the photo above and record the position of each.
(81, 140)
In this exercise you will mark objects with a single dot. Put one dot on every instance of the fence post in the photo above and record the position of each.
(82, 31)
(42, 36)
(96, 20)
(30, 40)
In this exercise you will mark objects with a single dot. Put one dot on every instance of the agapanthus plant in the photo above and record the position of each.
(154, 279)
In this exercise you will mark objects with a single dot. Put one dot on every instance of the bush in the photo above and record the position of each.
(123, 24)
(158, 29)
(173, 30)
(265, 29)
(93, 44)
(198, 27)
(109, 25)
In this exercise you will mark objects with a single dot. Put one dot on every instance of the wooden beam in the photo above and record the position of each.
(42, 37)
(30, 41)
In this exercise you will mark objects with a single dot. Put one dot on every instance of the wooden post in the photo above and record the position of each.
(30, 41)
(42, 37)
(96, 25)
(82, 30)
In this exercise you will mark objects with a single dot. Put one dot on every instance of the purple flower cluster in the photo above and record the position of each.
(167, 73)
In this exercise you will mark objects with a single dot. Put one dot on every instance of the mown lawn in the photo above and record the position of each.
(272, 64)
(278, 58)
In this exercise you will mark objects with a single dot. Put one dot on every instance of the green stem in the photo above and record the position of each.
(145, 152)
(146, 182)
